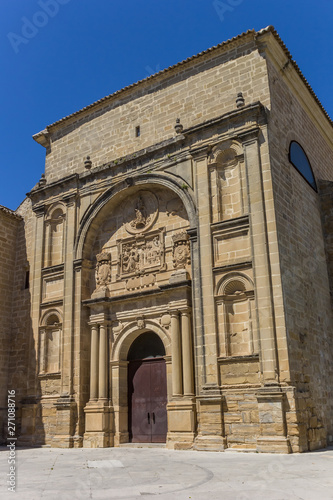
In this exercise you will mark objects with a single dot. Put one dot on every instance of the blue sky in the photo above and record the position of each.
(58, 56)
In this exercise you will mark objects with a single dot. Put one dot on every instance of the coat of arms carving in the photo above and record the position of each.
(181, 250)
(103, 270)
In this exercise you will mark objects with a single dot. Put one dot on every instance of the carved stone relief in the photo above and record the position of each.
(117, 327)
(140, 212)
(103, 270)
(140, 321)
(141, 254)
(181, 250)
(165, 321)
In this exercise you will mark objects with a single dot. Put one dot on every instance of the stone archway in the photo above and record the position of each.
(137, 276)
(131, 346)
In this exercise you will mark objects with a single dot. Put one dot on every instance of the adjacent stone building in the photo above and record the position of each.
(171, 274)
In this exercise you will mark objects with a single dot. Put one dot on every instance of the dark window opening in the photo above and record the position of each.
(137, 131)
(26, 281)
(299, 160)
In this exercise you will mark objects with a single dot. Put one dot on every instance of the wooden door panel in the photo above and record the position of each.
(158, 398)
(139, 399)
(147, 399)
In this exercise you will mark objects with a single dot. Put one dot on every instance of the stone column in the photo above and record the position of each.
(187, 352)
(94, 363)
(261, 265)
(103, 362)
(99, 413)
(176, 355)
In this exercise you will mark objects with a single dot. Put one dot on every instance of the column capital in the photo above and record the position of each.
(185, 312)
(70, 199)
(82, 263)
(250, 136)
(93, 323)
(200, 153)
(193, 234)
(39, 210)
(106, 322)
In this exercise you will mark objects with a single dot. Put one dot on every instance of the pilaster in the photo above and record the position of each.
(208, 327)
(68, 334)
(261, 265)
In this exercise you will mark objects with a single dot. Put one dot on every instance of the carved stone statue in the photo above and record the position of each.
(140, 212)
(141, 219)
(181, 250)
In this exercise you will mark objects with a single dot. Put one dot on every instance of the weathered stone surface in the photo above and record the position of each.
(208, 238)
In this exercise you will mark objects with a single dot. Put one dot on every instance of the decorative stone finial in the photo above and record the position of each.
(178, 127)
(240, 101)
(42, 180)
(88, 163)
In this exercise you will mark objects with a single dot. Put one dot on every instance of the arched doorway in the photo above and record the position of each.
(147, 390)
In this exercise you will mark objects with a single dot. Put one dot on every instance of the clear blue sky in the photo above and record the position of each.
(58, 56)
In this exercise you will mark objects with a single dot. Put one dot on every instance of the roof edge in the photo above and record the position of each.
(39, 137)
(43, 138)
(10, 212)
(272, 30)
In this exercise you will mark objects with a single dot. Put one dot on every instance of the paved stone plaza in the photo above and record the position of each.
(129, 473)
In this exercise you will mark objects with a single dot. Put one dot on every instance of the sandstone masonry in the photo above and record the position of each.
(180, 264)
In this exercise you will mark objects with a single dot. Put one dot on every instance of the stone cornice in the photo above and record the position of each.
(136, 295)
(152, 80)
(10, 213)
(258, 37)
(250, 116)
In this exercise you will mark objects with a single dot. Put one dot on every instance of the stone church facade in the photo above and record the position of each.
(169, 279)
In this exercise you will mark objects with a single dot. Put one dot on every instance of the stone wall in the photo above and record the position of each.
(303, 262)
(9, 227)
(199, 90)
(326, 196)
(262, 319)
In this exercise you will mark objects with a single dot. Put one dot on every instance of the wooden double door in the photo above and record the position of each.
(147, 399)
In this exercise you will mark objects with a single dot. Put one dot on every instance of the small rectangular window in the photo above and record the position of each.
(137, 131)
(26, 281)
